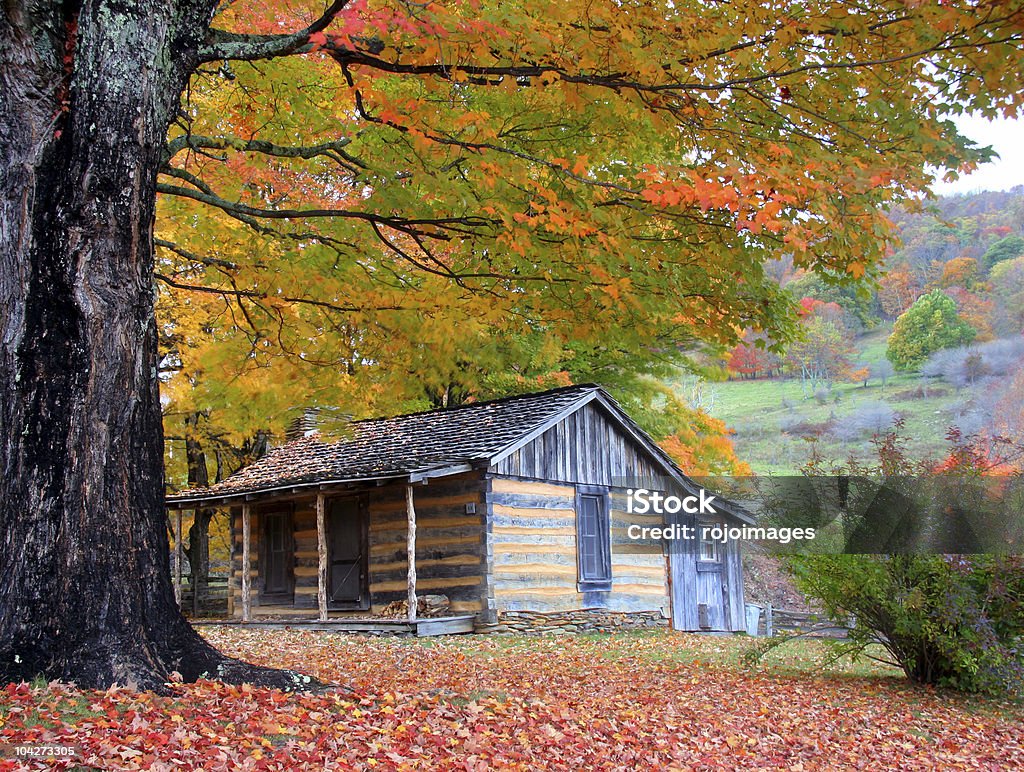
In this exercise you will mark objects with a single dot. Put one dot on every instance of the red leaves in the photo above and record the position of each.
(627, 702)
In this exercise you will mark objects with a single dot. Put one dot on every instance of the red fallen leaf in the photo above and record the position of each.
(480, 703)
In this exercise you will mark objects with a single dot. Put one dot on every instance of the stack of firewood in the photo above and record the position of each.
(426, 606)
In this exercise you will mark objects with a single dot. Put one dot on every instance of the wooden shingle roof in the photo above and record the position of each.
(418, 445)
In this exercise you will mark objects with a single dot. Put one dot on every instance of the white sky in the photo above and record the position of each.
(1007, 138)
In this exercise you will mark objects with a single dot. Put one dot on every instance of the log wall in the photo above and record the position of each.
(533, 553)
(449, 546)
(449, 542)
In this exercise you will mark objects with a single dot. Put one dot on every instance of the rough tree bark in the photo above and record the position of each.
(87, 92)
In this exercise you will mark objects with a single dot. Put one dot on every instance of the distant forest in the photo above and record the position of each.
(936, 342)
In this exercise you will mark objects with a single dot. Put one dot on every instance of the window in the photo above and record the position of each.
(593, 539)
(710, 549)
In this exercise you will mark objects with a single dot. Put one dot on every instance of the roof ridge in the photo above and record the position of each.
(487, 402)
(412, 442)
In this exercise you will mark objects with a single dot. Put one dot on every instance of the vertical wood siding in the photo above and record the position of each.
(585, 448)
(721, 589)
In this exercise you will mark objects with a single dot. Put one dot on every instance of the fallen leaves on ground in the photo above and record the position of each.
(652, 701)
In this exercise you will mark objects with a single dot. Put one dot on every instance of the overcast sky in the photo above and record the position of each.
(1007, 139)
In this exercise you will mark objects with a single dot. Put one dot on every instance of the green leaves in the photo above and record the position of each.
(450, 177)
(930, 324)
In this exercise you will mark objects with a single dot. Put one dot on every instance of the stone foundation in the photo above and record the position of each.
(580, 621)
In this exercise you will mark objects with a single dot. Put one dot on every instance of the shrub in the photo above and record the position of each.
(943, 619)
(798, 426)
(869, 419)
(882, 370)
(921, 392)
(974, 415)
(947, 620)
(964, 365)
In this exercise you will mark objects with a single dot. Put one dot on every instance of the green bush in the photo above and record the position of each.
(946, 620)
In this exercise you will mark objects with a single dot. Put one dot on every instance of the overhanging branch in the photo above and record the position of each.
(333, 150)
(193, 257)
(436, 228)
(221, 44)
(255, 295)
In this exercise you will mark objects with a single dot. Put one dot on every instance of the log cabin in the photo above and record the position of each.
(513, 509)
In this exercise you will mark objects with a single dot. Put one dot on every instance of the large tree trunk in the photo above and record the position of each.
(198, 549)
(87, 92)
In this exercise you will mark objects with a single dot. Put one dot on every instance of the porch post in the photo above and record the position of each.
(177, 557)
(232, 578)
(410, 512)
(246, 576)
(321, 556)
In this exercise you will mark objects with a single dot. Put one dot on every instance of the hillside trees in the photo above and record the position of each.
(1007, 248)
(929, 325)
(946, 230)
(752, 357)
(371, 165)
(822, 352)
(1007, 280)
(897, 291)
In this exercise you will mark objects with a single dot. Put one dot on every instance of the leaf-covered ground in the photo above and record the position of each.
(630, 701)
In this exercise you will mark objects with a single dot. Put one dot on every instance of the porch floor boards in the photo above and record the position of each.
(421, 628)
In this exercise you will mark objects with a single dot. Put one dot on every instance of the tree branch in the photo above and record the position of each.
(221, 44)
(444, 225)
(254, 295)
(333, 150)
(210, 261)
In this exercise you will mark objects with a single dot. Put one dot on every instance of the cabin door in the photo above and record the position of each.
(278, 556)
(700, 592)
(347, 551)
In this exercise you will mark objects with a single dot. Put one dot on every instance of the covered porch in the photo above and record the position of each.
(324, 539)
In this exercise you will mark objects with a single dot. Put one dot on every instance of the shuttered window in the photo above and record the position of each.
(593, 539)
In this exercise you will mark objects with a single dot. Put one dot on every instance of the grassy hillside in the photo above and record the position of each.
(776, 424)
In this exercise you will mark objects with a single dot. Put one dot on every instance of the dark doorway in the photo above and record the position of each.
(347, 536)
(278, 557)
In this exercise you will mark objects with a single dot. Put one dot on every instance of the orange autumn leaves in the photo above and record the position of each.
(499, 171)
(553, 703)
(703, 447)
